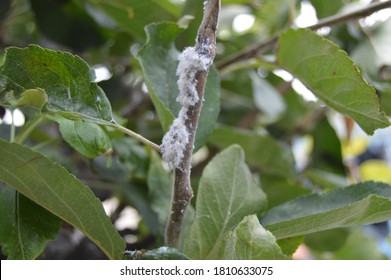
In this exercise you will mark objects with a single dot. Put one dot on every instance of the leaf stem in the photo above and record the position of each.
(271, 42)
(28, 129)
(135, 135)
(183, 193)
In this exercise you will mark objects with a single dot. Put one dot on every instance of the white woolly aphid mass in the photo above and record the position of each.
(174, 143)
(176, 139)
(190, 62)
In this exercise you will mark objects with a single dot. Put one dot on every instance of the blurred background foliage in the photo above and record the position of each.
(325, 149)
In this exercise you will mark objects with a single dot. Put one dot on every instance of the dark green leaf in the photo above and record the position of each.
(290, 245)
(159, 59)
(280, 189)
(331, 75)
(328, 240)
(364, 203)
(326, 154)
(52, 187)
(25, 227)
(327, 8)
(226, 194)
(66, 79)
(262, 151)
(67, 23)
(5, 6)
(250, 241)
(87, 138)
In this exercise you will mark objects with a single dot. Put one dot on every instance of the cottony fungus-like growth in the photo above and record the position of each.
(191, 61)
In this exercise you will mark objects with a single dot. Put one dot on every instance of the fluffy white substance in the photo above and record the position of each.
(190, 62)
(177, 138)
(175, 141)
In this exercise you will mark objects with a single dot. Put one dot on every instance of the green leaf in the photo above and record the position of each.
(66, 79)
(160, 190)
(87, 138)
(159, 59)
(267, 99)
(280, 189)
(68, 23)
(25, 227)
(133, 15)
(162, 253)
(250, 241)
(327, 152)
(328, 240)
(358, 246)
(52, 187)
(226, 194)
(331, 75)
(327, 8)
(36, 98)
(263, 151)
(364, 203)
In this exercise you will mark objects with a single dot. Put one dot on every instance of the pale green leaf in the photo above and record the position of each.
(89, 139)
(250, 241)
(363, 203)
(54, 188)
(267, 99)
(331, 75)
(226, 194)
(25, 227)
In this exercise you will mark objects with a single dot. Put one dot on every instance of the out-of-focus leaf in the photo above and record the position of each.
(226, 194)
(87, 138)
(250, 241)
(280, 189)
(328, 240)
(327, 8)
(364, 203)
(378, 170)
(331, 75)
(358, 246)
(159, 59)
(160, 184)
(324, 179)
(25, 227)
(66, 79)
(5, 5)
(263, 151)
(267, 99)
(52, 187)
(134, 15)
(326, 154)
(67, 23)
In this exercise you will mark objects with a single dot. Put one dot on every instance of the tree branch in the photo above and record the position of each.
(195, 68)
(261, 47)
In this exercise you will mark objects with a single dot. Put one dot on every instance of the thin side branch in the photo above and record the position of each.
(261, 47)
(205, 51)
